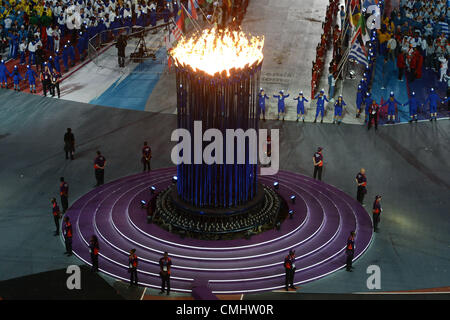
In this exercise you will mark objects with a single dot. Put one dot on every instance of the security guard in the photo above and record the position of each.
(361, 181)
(289, 268)
(56, 215)
(67, 232)
(99, 166)
(146, 156)
(132, 267)
(64, 193)
(318, 163)
(350, 251)
(374, 109)
(94, 250)
(376, 212)
(69, 144)
(165, 264)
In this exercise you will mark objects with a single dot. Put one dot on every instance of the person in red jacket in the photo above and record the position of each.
(56, 215)
(401, 65)
(419, 64)
(165, 264)
(289, 267)
(132, 267)
(412, 67)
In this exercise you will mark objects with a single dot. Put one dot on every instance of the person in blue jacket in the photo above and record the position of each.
(65, 57)
(391, 102)
(31, 75)
(367, 103)
(281, 107)
(81, 45)
(71, 52)
(4, 74)
(51, 64)
(321, 98)
(16, 78)
(433, 99)
(413, 103)
(57, 62)
(338, 109)
(153, 18)
(262, 96)
(359, 101)
(301, 106)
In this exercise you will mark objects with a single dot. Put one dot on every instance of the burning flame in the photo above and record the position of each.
(215, 51)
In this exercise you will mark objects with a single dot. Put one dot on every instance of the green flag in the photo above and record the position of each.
(362, 24)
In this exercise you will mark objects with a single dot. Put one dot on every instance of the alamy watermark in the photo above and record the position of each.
(374, 280)
(236, 141)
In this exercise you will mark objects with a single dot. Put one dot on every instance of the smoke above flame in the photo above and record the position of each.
(215, 51)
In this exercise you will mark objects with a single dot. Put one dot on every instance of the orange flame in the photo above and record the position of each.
(215, 51)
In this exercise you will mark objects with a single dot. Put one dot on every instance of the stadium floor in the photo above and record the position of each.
(406, 164)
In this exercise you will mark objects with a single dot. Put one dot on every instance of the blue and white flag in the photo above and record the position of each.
(357, 53)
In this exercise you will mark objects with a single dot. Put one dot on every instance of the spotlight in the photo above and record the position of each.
(293, 198)
(152, 189)
(143, 204)
(276, 185)
(174, 179)
(291, 214)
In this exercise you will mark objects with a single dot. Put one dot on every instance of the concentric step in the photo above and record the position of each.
(323, 219)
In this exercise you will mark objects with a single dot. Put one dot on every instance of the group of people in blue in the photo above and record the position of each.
(321, 98)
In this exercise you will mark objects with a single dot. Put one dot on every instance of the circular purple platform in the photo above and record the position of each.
(323, 219)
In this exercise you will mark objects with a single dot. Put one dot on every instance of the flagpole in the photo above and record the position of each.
(196, 25)
(203, 13)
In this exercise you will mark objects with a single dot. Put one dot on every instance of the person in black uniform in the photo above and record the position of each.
(318, 163)
(94, 250)
(289, 268)
(121, 45)
(54, 80)
(361, 181)
(132, 267)
(67, 231)
(146, 156)
(165, 264)
(376, 212)
(69, 144)
(56, 215)
(99, 166)
(64, 193)
(374, 109)
(45, 78)
(350, 251)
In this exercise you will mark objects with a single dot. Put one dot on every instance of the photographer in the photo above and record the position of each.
(121, 45)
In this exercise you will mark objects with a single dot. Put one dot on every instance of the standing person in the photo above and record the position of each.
(391, 103)
(69, 144)
(338, 109)
(289, 268)
(56, 215)
(31, 76)
(45, 79)
(94, 250)
(67, 232)
(318, 163)
(361, 181)
(165, 264)
(373, 115)
(132, 267)
(121, 45)
(359, 101)
(413, 103)
(16, 78)
(350, 251)
(99, 166)
(262, 96)
(64, 193)
(321, 98)
(281, 108)
(146, 156)
(376, 212)
(54, 79)
(367, 102)
(301, 106)
(4, 74)
(332, 84)
(433, 100)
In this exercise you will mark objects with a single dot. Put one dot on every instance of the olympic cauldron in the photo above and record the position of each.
(217, 80)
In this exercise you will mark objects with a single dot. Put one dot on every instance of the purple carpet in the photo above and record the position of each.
(323, 218)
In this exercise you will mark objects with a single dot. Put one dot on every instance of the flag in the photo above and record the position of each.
(362, 24)
(192, 11)
(179, 21)
(357, 53)
(355, 12)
